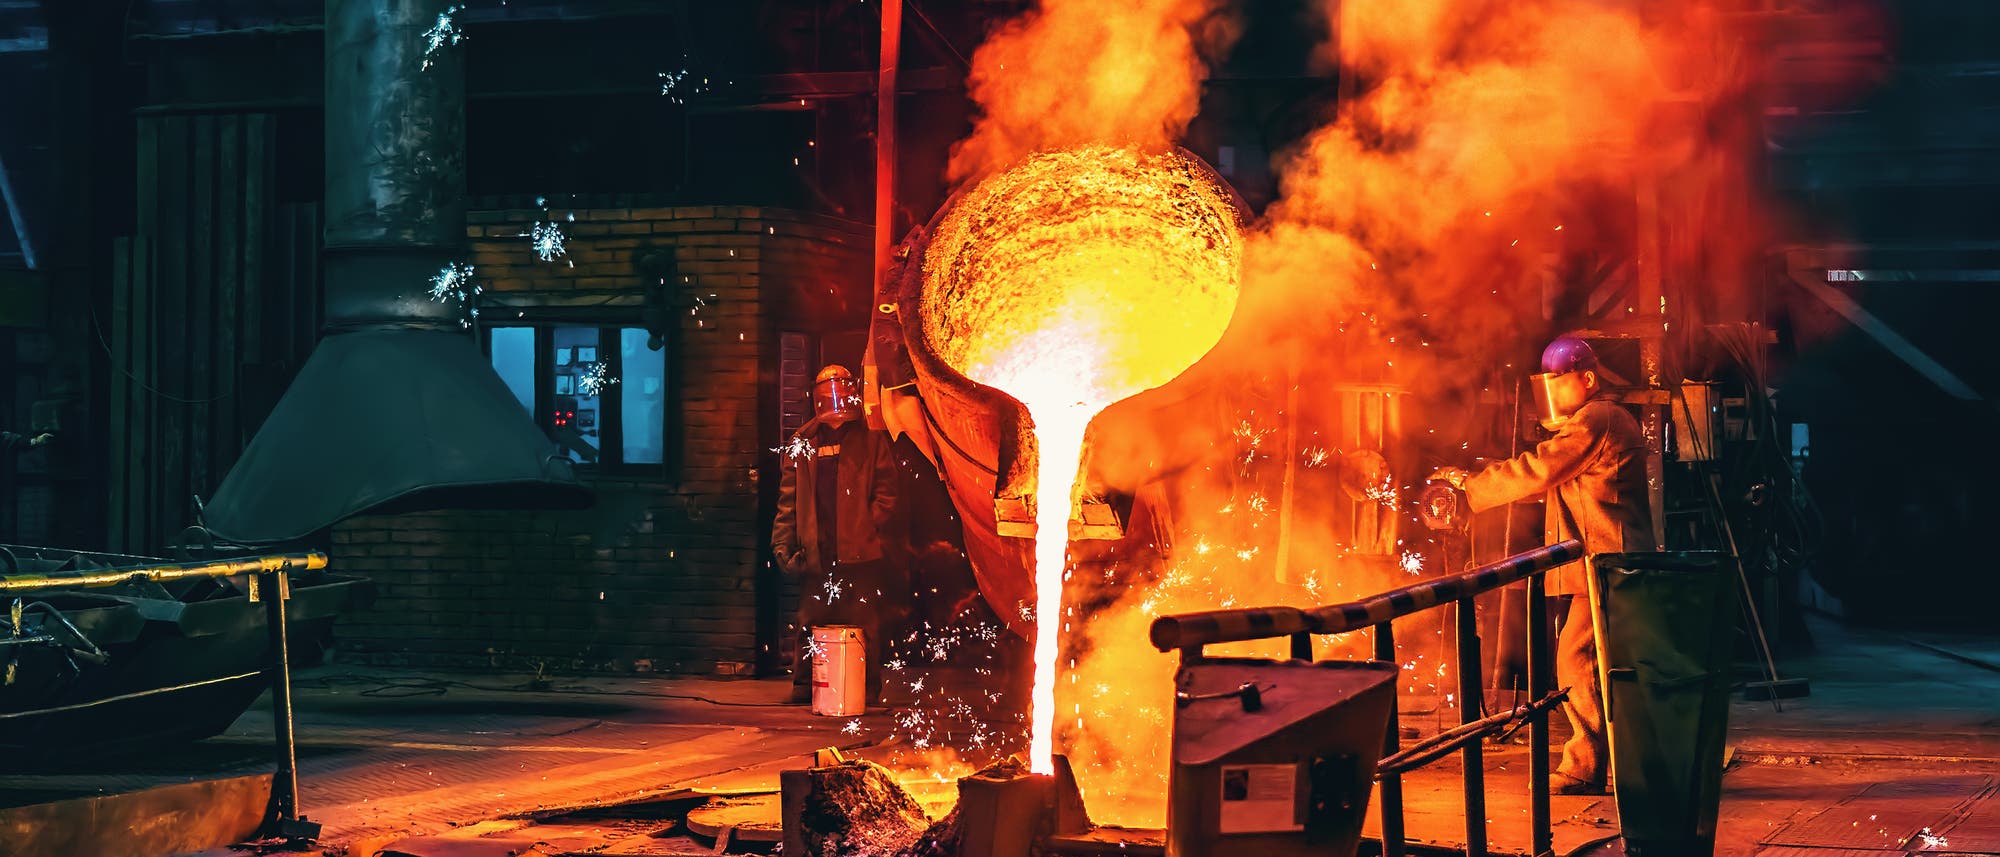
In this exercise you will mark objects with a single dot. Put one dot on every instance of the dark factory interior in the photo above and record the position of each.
(450, 428)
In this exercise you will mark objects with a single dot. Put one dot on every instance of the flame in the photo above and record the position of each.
(1492, 148)
(1070, 281)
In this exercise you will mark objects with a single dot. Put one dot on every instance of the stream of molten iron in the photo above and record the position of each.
(1053, 372)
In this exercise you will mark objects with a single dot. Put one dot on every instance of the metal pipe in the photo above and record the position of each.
(1392, 783)
(395, 164)
(311, 561)
(1435, 747)
(885, 133)
(1194, 630)
(37, 640)
(1540, 680)
(1468, 712)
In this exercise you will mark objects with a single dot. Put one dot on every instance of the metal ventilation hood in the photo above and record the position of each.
(396, 410)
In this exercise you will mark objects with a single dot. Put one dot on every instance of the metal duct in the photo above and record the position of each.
(396, 410)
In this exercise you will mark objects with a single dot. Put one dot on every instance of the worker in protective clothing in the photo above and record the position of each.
(835, 526)
(1593, 472)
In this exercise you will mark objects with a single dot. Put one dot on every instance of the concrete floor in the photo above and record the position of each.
(1901, 734)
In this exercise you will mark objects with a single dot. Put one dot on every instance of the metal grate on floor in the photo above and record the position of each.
(1888, 818)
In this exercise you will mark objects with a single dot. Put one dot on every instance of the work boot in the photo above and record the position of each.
(1564, 784)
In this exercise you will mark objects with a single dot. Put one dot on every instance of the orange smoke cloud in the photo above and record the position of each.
(1078, 72)
(1489, 145)
(1495, 158)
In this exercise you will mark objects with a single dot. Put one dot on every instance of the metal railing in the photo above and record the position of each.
(269, 582)
(1190, 632)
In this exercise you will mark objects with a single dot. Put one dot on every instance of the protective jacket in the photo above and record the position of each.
(866, 481)
(1594, 471)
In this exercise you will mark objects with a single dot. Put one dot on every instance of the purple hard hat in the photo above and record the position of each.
(1568, 354)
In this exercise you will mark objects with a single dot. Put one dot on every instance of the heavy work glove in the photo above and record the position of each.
(1451, 476)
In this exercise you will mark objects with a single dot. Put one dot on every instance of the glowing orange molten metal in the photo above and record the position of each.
(1070, 281)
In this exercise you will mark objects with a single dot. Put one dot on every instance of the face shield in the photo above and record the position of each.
(837, 399)
(1556, 398)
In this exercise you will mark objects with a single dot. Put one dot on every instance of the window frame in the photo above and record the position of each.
(611, 405)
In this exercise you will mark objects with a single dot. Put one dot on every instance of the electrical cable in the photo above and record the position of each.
(106, 345)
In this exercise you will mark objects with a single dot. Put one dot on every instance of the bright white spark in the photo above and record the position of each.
(594, 382)
(853, 727)
(445, 32)
(549, 242)
(832, 590)
(1251, 436)
(1412, 562)
(669, 81)
(798, 449)
(1316, 456)
(452, 282)
(1925, 838)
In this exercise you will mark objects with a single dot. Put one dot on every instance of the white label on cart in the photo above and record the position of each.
(1260, 799)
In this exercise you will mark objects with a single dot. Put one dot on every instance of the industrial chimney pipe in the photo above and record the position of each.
(396, 410)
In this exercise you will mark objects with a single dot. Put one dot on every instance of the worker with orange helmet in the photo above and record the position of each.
(836, 525)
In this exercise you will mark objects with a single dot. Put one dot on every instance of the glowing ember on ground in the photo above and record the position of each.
(1070, 281)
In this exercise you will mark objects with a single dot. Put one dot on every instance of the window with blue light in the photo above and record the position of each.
(599, 392)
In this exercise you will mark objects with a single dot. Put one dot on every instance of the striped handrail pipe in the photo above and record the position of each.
(82, 579)
(1193, 630)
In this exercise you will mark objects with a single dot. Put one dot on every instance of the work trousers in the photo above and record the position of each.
(1586, 754)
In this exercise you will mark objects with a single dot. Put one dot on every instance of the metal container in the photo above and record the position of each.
(1275, 758)
(1666, 631)
(984, 439)
(839, 671)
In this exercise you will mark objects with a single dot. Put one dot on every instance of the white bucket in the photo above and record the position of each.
(839, 671)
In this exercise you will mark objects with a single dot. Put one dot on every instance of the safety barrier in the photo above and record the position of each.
(1190, 632)
(269, 582)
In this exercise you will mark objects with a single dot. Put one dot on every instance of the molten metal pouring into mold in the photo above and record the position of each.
(1069, 281)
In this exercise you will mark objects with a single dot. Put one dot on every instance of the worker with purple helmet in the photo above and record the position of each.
(1593, 472)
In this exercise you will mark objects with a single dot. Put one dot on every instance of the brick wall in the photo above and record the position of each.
(667, 573)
